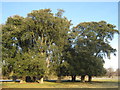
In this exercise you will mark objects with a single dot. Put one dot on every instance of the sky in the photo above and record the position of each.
(76, 11)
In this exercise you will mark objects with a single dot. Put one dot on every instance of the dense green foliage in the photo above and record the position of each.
(92, 44)
(43, 43)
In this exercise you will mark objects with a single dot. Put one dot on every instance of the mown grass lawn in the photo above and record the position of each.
(96, 83)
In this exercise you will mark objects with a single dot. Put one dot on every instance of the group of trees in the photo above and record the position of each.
(44, 43)
(110, 72)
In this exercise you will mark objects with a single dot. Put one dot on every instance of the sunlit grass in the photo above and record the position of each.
(96, 83)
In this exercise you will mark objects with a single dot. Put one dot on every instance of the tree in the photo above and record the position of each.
(10, 43)
(93, 40)
(59, 45)
(118, 72)
(70, 58)
(110, 72)
(45, 41)
(41, 33)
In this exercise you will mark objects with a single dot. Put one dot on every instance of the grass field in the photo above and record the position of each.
(96, 83)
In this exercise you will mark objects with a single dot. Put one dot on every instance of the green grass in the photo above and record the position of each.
(96, 83)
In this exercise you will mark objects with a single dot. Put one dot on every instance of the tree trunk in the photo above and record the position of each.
(89, 78)
(28, 79)
(73, 78)
(34, 79)
(14, 78)
(59, 79)
(41, 80)
(83, 78)
(23, 79)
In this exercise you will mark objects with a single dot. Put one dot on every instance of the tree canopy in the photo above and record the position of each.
(43, 43)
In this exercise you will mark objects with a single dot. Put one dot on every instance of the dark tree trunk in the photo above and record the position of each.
(34, 79)
(83, 78)
(73, 78)
(28, 79)
(89, 78)
(14, 78)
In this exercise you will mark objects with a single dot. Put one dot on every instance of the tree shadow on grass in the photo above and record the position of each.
(79, 81)
(62, 80)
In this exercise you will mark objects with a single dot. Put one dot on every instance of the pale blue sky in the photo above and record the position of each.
(75, 11)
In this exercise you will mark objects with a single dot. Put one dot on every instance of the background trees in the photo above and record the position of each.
(43, 43)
